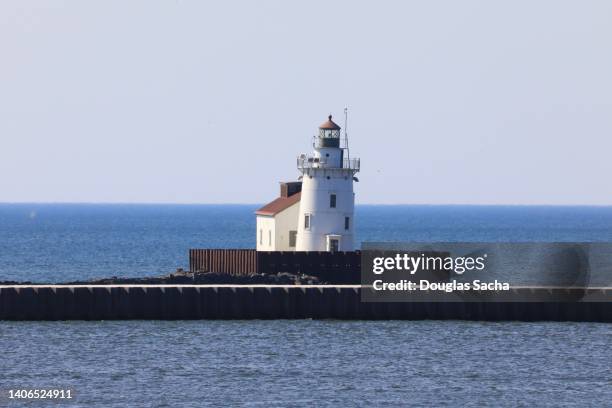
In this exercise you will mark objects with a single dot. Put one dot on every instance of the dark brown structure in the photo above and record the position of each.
(229, 261)
(332, 267)
(289, 188)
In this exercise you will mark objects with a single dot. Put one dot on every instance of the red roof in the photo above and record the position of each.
(278, 205)
(329, 124)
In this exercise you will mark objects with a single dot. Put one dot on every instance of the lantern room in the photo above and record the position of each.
(329, 134)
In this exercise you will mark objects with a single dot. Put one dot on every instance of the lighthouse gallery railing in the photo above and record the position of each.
(311, 162)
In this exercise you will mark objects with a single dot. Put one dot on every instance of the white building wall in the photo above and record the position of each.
(286, 221)
(329, 156)
(280, 224)
(266, 227)
(315, 200)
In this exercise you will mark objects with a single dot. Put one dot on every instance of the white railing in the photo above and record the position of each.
(311, 162)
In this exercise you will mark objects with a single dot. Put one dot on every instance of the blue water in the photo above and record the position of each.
(312, 363)
(288, 363)
(59, 242)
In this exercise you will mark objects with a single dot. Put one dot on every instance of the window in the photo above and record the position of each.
(333, 245)
(347, 223)
(332, 201)
(307, 221)
(269, 237)
(260, 237)
(292, 238)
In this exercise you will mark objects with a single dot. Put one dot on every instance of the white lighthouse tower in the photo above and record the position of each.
(327, 200)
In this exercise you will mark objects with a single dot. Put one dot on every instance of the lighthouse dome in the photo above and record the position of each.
(329, 124)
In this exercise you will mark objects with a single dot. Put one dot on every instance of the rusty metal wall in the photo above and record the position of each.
(337, 267)
(228, 261)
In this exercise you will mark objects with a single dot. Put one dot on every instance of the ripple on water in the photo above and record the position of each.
(331, 362)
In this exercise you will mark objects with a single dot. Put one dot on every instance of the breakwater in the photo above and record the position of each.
(112, 302)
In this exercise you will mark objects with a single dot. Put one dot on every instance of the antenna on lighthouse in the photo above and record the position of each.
(346, 146)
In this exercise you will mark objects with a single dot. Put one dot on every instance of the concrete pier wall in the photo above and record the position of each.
(112, 302)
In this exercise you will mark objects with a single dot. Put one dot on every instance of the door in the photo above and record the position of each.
(333, 245)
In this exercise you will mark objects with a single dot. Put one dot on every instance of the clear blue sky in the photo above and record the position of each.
(473, 102)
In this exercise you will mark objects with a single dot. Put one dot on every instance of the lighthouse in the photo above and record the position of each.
(327, 202)
(316, 213)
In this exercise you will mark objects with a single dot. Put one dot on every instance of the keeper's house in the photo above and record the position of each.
(277, 220)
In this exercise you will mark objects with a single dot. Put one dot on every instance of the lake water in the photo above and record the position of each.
(312, 363)
(288, 363)
(54, 243)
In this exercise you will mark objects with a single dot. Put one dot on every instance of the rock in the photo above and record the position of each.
(202, 278)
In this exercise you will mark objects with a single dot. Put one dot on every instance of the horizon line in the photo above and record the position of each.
(256, 204)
